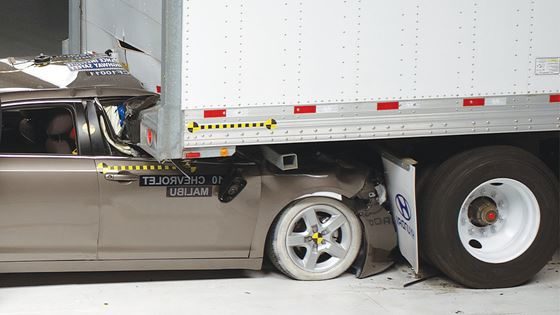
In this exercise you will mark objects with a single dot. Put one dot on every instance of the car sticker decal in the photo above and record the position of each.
(186, 192)
(179, 180)
(104, 168)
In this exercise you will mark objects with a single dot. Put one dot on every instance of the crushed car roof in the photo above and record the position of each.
(68, 76)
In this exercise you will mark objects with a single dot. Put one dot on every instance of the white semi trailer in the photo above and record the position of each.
(466, 93)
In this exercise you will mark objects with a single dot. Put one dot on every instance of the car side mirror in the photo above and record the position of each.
(231, 186)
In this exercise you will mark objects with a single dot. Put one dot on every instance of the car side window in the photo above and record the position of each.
(38, 130)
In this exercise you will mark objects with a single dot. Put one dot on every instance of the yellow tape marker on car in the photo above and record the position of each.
(104, 168)
(194, 127)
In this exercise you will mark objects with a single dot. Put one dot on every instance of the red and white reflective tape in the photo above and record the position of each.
(469, 102)
(474, 102)
(215, 113)
(200, 153)
(388, 105)
(305, 109)
(192, 155)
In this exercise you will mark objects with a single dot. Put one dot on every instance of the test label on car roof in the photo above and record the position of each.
(180, 180)
(95, 64)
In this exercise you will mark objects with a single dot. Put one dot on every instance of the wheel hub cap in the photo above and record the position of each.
(483, 211)
(318, 238)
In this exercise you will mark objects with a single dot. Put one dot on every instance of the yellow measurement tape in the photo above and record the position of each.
(104, 168)
(194, 127)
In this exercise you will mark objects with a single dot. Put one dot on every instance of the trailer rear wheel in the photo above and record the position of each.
(490, 217)
(315, 238)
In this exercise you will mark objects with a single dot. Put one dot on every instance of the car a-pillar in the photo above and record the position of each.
(489, 216)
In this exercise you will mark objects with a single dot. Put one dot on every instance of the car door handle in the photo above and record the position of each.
(121, 177)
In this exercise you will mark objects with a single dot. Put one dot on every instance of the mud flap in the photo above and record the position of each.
(401, 177)
(379, 240)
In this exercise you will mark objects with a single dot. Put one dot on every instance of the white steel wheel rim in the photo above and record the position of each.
(336, 238)
(516, 226)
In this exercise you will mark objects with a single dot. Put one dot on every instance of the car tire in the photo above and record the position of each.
(489, 218)
(315, 238)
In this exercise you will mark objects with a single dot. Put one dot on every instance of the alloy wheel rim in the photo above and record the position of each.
(318, 238)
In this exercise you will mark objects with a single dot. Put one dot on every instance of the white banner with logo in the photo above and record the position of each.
(401, 179)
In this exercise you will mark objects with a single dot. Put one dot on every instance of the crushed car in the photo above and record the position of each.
(79, 195)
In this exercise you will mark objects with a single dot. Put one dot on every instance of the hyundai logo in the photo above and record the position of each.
(403, 207)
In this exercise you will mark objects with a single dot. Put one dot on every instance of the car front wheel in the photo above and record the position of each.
(315, 239)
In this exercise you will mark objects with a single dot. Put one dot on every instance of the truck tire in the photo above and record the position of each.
(489, 219)
(315, 238)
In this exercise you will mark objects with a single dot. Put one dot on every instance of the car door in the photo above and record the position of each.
(152, 211)
(48, 198)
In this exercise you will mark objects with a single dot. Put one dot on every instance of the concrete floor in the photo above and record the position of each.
(267, 292)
